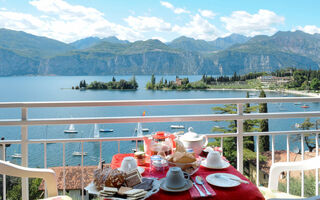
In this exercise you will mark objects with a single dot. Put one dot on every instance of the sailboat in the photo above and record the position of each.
(71, 129)
(96, 133)
(16, 155)
(80, 153)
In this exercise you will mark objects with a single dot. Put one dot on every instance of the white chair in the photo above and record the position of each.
(48, 175)
(275, 171)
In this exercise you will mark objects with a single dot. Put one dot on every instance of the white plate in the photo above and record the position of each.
(222, 181)
(187, 186)
(140, 169)
(225, 165)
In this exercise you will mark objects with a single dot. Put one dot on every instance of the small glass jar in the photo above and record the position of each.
(158, 165)
(140, 157)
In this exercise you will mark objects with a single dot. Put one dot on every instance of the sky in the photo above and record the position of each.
(71, 20)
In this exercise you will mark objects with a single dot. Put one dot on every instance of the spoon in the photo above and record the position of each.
(199, 180)
(231, 178)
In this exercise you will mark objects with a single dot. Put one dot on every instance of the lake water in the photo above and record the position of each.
(57, 88)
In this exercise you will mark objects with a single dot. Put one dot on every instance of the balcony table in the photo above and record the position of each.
(243, 191)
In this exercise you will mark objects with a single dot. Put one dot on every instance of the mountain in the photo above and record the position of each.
(92, 41)
(190, 44)
(226, 42)
(29, 45)
(26, 54)
(263, 53)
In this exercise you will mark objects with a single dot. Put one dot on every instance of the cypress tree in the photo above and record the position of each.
(264, 143)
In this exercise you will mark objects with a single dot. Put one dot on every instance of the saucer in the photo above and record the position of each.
(186, 187)
(224, 165)
(140, 169)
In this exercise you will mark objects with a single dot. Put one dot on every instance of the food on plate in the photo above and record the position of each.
(146, 184)
(108, 177)
(123, 189)
(132, 178)
(115, 178)
(185, 160)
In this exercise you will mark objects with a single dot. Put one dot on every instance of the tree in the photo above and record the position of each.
(113, 79)
(153, 80)
(14, 191)
(310, 141)
(315, 84)
(230, 143)
(264, 143)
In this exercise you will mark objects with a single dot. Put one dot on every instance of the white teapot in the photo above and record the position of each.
(192, 140)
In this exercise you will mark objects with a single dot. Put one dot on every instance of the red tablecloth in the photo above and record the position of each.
(243, 191)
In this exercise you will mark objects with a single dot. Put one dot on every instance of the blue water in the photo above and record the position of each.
(58, 88)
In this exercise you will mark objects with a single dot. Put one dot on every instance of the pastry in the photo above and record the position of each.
(115, 178)
(180, 146)
(132, 178)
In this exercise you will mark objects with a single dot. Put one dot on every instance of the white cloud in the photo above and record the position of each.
(248, 24)
(167, 4)
(174, 9)
(198, 28)
(65, 22)
(141, 23)
(311, 29)
(207, 13)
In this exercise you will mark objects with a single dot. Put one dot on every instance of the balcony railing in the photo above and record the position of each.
(25, 121)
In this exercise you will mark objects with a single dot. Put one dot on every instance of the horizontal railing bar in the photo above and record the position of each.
(294, 132)
(150, 119)
(156, 102)
(109, 139)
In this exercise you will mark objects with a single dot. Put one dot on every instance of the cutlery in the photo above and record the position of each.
(200, 192)
(199, 180)
(231, 178)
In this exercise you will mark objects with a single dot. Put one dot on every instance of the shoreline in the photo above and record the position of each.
(302, 93)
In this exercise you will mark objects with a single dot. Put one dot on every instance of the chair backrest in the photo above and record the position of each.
(277, 168)
(47, 174)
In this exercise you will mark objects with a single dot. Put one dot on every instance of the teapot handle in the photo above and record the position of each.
(206, 140)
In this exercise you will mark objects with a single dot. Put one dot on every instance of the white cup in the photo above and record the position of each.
(214, 159)
(176, 178)
(128, 164)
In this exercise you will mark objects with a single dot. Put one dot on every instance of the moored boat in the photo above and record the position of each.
(177, 126)
(71, 129)
(106, 130)
(78, 153)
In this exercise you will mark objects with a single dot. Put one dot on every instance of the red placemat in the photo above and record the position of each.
(243, 191)
(194, 193)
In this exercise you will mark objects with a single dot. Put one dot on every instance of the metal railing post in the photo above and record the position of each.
(240, 139)
(4, 179)
(24, 152)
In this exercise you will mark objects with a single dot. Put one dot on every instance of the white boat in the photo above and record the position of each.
(71, 129)
(297, 103)
(16, 155)
(140, 129)
(96, 133)
(78, 153)
(177, 126)
(106, 130)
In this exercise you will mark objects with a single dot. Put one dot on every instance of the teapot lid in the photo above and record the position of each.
(160, 135)
(191, 136)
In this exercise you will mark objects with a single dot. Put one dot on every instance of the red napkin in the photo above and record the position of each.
(194, 193)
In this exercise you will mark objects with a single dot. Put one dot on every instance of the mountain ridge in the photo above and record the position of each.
(185, 55)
